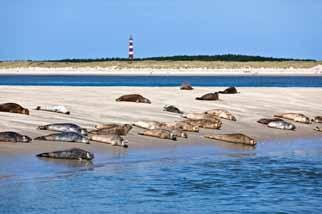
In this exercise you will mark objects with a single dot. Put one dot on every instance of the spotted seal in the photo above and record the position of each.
(137, 98)
(14, 137)
(112, 129)
(209, 97)
(234, 138)
(145, 124)
(297, 117)
(64, 127)
(221, 113)
(213, 123)
(53, 108)
(65, 137)
(159, 133)
(69, 154)
(281, 125)
(13, 108)
(113, 139)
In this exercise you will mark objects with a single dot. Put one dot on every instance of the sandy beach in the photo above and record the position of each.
(95, 105)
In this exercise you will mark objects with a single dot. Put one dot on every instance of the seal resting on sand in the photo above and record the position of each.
(64, 127)
(171, 108)
(137, 98)
(14, 137)
(297, 117)
(69, 154)
(318, 129)
(182, 125)
(159, 133)
(317, 119)
(113, 139)
(147, 124)
(13, 108)
(213, 123)
(186, 86)
(64, 137)
(230, 90)
(54, 108)
(209, 97)
(112, 129)
(221, 113)
(266, 121)
(234, 138)
(281, 125)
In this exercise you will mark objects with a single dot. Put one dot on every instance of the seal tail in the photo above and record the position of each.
(198, 98)
(67, 113)
(42, 127)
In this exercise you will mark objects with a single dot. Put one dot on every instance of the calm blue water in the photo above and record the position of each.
(275, 177)
(94, 80)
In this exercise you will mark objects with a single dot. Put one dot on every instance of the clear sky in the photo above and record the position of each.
(56, 29)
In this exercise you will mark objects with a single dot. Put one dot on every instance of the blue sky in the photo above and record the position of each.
(56, 29)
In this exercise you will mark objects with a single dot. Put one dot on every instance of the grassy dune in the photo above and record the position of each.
(161, 64)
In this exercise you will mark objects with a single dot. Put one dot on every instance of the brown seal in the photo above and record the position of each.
(297, 117)
(113, 139)
(186, 86)
(137, 98)
(230, 90)
(112, 129)
(13, 108)
(14, 137)
(182, 125)
(159, 133)
(234, 138)
(213, 123)
(221, 113)
(209, 97)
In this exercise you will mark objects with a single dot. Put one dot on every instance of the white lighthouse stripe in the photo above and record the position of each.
(131, 53)
(131, 46)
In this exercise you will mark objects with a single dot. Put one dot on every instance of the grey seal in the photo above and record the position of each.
(281, 125)
(14, 137)
(64, 127)
(173, 109)
(137, 98)
(234, 138)
(64, 137)
(69, 154)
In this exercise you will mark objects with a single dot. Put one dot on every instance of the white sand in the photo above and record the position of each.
(94, 105)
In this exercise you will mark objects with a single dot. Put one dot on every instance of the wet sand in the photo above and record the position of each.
(95, 105)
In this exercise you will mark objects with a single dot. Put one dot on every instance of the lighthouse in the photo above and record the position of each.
(131, 48)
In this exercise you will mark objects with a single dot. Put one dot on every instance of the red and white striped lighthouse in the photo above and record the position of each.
(131, 48)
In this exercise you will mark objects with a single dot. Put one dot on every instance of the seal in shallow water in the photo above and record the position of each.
(234, 138)
(209, 97)
(230, 90)
(186, 86)
(13, 108)
(54, 108)
(297, 117)
(14, 137)
(281, 125)
(65, 137)
(69, 154)
(137, 98)
(221, 113)
(64, 127)
(112, 129)
(159, 133)
(113, 139)
(173, 109)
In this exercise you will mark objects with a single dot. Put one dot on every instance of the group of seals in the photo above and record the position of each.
(13, 108)
(137, 98)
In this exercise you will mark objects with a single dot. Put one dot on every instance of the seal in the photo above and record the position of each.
(221, 113)
(196, 116)
(186, 86)
(159, 133)
(148, 124)
(317, 119)
(266, 121)
(297, 117)
(281, 125)
(137, 98)
(54, 108)
(113, 129)
(182, 125)
(318, 129)
(113, 139)
(69, 154)
(14, 137)
(64, 127)
(230, 90)
(171, 108)
(176, 131)
(13, 108)
(213, 123)
(65, 137)
(209, 97)
(234, 138)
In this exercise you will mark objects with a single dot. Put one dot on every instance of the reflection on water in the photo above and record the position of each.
(273, 178)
